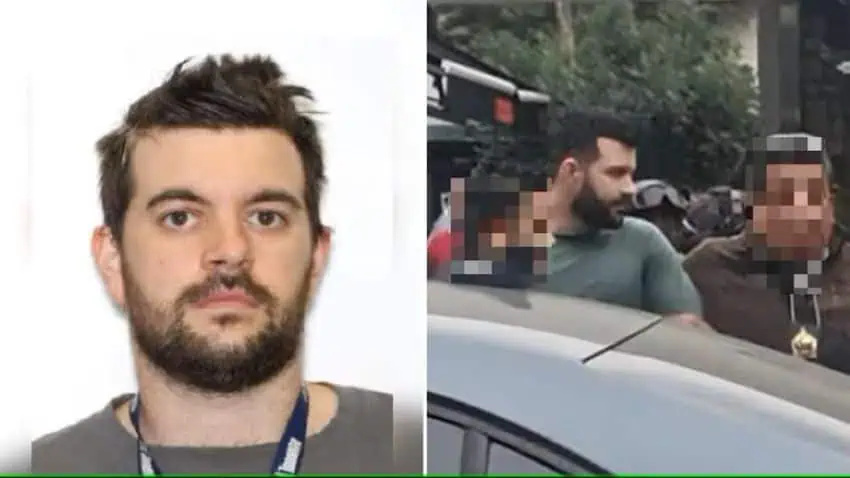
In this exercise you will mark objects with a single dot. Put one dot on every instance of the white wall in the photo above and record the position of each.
(368, 327)
(15, 350)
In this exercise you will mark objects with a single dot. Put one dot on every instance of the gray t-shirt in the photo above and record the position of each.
(633, 266)
(359, 439)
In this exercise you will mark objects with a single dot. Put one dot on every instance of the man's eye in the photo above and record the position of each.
(266, 218)
(177, 219)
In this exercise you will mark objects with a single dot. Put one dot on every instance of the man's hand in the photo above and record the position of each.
(691, 320)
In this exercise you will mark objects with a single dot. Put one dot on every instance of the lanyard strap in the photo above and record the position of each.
(288, 455)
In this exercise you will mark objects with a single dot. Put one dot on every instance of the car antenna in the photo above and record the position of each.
(613, 345)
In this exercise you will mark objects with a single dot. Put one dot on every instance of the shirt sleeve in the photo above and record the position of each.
(439, 250)
(668, 289)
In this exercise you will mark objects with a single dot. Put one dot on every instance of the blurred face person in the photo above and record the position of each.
(599, 187)
(503, 221)
(531, 227)
(793, 211)
(520, 230)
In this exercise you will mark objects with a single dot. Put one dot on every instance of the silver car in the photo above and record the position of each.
(526, 382)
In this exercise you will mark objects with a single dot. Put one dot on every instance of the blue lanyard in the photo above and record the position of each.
(288, 455)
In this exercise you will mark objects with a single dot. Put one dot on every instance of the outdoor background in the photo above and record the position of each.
(680, 65)
(706, 77)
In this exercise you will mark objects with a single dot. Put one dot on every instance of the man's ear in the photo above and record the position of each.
(321, 258)
(570, 170)
(107, 258)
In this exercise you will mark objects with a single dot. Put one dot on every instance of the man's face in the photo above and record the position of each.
(793, 211)
(217, 264)
(607, 186)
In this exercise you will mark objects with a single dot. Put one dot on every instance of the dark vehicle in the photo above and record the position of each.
(470, 105)
(527, 382)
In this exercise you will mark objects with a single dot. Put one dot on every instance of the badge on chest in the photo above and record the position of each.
(806, 317)
(805, 344)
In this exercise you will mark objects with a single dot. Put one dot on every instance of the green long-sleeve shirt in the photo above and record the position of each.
(633, 266)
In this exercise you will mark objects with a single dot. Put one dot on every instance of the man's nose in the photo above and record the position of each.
(229, 245)
(628, 187)
(802, 198)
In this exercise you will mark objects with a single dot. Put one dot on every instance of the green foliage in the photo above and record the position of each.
(463, 24)
(669, 62)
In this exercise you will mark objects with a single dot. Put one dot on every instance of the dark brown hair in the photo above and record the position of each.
(217, 93)
(574, 134)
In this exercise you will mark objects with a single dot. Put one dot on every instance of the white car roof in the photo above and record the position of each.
(674, 400)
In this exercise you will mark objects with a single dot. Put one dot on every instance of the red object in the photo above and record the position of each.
(439, 248)
(503, 110)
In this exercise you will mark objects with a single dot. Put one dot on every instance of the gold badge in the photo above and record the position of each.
(805, 345)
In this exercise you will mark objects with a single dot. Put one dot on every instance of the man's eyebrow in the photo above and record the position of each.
(265, 195)
(276, 195)
(177, 194)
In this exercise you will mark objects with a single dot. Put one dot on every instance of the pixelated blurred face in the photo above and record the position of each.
(218, 261)
(525, 221)
(519, 238)
(532, 224)
(494, 237)
(456, 202)
(607, 186)
(793, 209)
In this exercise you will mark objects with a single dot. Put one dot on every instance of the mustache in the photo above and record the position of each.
(623, 201)
(219, 281)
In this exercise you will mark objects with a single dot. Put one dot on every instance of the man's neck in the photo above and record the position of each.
(561, 217)
(566, 224)
(174, 415)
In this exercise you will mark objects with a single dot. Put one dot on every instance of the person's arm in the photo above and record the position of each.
(668, 290)
(439, 252)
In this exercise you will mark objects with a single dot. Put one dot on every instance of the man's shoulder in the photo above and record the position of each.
(359, 436)
(364, 403)
(642, 236)
(60, 450)
(713, 248)
(86, 428)
(638, 224)
(641, 228)
(364, 413)
(365, 416)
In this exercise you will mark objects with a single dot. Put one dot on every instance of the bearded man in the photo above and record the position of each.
(213, 246)
(597, 252)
